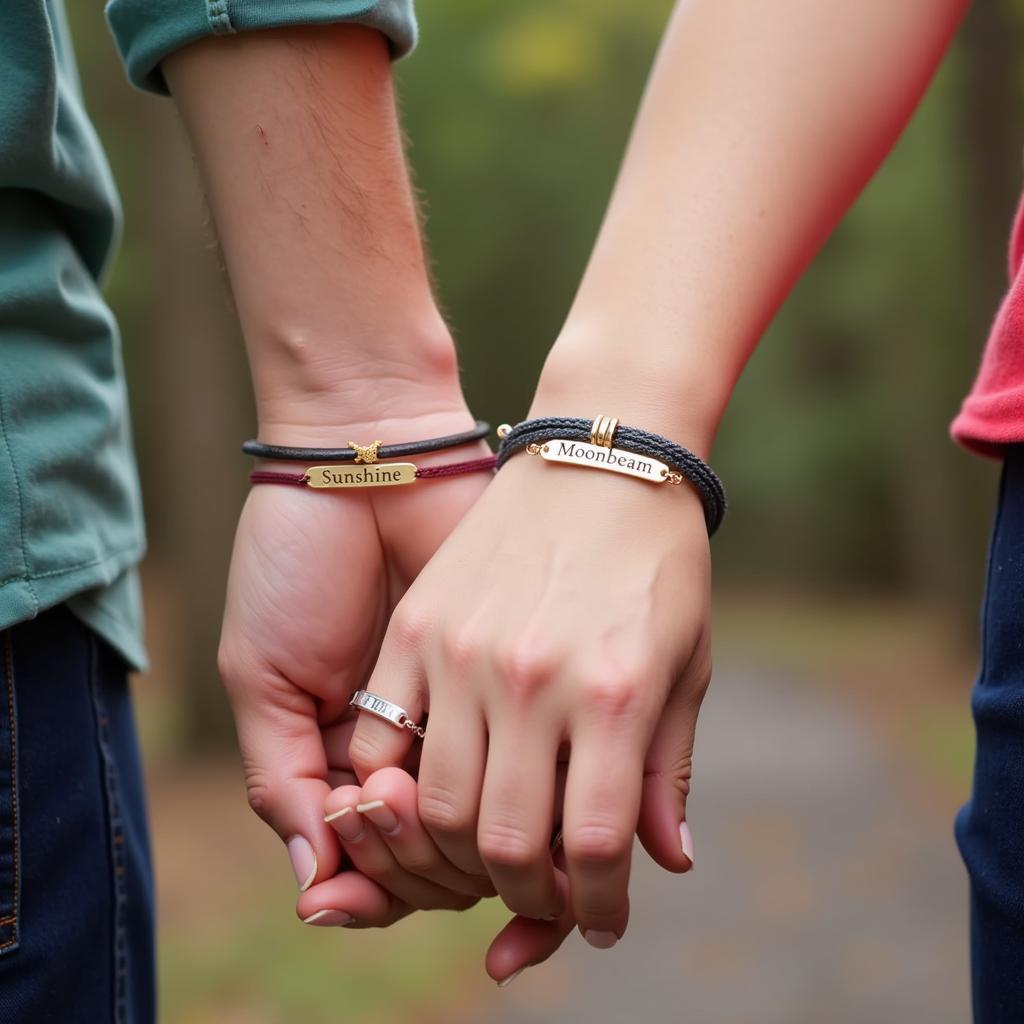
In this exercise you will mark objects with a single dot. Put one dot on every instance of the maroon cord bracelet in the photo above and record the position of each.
(375, 474)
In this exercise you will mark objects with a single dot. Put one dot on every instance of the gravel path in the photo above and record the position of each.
(827, 887)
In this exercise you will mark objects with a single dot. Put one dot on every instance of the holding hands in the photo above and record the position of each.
(559, 709)
(553, 623)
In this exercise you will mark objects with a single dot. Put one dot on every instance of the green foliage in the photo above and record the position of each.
(517, 117)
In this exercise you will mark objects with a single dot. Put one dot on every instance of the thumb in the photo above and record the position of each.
(286, 771)
(662, 826)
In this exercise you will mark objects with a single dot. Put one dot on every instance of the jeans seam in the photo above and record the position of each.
(986, 599)
(12, 724)
(116, 838)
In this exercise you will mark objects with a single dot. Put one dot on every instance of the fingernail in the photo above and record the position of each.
(601, 940)
(686, 841)
(381, 815)
(303, 860)
(512, 977)
(348, 825)
(329, 919)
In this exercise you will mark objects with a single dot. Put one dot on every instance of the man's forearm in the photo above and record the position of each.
(297, 136)
(760, 125)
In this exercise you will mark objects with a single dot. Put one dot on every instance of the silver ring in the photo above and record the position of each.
(363, 700)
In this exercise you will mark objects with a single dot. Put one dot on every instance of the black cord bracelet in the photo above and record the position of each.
(534, 434)
(366, 453)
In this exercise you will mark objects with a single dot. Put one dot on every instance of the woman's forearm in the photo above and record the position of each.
(297, 136)
(760, 125)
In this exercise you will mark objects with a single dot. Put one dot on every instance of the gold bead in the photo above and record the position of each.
(602, 431)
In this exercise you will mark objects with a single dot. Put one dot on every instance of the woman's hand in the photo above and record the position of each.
(564, 619)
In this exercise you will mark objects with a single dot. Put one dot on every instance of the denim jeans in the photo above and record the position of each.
(990, 828)
(76, 889)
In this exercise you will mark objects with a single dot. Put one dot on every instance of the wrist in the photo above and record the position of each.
(665, 394)
(397, 378)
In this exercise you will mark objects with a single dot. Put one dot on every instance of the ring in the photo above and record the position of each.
(363, 700)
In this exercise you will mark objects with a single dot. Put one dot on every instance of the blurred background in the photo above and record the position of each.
(836, 743)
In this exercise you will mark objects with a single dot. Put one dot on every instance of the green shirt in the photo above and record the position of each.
(70, 514)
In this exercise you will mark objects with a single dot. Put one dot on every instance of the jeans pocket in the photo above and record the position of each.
(10, 852)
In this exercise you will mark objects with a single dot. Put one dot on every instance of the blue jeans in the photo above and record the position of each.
(76, 889)
(990, 828)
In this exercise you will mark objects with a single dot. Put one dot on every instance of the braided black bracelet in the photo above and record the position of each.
(353, 452)
(562, 439)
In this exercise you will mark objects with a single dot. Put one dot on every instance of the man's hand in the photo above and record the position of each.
(314, 578)
(313, 582)
(297, 136)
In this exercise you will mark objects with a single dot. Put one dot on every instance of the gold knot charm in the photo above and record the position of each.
(367, 453)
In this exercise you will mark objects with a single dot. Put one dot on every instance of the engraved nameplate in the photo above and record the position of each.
(378, 706)
(380, 474)
(580, 453)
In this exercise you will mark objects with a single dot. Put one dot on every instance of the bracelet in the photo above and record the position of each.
(603, 444)
(370, 453)
(388, 474)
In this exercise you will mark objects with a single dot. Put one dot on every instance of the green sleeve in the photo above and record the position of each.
(147, 30)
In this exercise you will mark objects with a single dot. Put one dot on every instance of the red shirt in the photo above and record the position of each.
(993, 413)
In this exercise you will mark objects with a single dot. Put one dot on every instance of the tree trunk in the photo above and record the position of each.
(197, 417)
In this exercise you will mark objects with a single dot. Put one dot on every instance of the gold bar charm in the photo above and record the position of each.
(376, 474)
(579, 453)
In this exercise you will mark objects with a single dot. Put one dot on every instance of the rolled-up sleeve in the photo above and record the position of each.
(146, 31)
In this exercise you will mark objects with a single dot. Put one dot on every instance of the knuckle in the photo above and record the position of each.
(509, 847)
(225, 663)
(462, 646)
(526, 668)
(597, 914)
(410, 625)
(258, 796)
(597, 843)
(440, 811)
(616, 693)
(423, 863)
(229, 668)
(259, 792)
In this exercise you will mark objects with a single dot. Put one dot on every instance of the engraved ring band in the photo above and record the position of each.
(363, 700)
